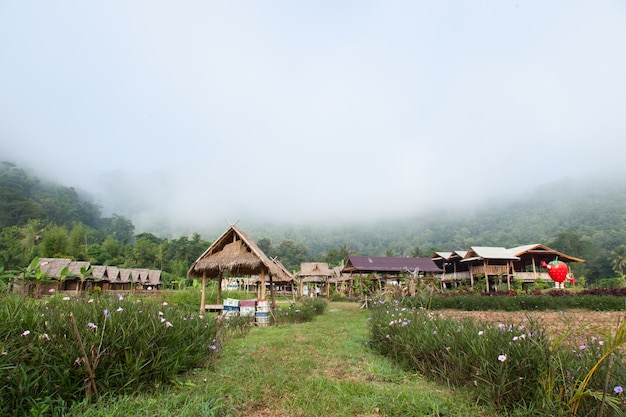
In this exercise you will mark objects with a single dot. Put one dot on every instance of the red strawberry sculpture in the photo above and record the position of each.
(556, 269)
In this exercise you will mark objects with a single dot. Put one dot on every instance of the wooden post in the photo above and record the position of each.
(508, 276)
(219, 287)
(262, 293)
(273, 304)
(203, 295)
(486, 274)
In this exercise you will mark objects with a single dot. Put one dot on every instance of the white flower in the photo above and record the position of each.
(26, 333)
(502, 358)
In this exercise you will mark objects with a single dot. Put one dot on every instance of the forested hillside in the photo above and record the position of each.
(583, 218)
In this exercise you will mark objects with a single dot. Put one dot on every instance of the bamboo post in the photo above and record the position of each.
(486, 274)
(262, 289)
(91, 376)
(219, 287)
(273, 306)
(203, 295)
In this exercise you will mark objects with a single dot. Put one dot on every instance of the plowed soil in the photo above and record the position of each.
(580, 322)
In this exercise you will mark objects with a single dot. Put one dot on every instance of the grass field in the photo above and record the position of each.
(319, 368)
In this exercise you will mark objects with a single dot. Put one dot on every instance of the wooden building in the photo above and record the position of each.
(382, 269)
(316, 273)
(497, 265)
(236, 253)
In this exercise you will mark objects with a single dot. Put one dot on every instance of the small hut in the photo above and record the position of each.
(316, 273)
(238, 254)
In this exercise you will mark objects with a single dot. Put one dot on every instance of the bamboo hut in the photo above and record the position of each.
(238, 254)
(315, 273)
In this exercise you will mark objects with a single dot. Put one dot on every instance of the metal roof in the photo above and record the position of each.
(390, 265)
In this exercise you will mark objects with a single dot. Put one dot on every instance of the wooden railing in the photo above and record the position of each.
(490, 269)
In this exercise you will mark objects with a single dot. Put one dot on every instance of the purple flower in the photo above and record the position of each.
(91, 325)
(107, 315)
(618, 389)
(502, 358)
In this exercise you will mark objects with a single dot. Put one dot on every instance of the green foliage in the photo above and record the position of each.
(552, 300)
(514, 367)
(131, 345)
(304, 311)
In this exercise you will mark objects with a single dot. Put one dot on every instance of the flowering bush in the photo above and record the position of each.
(61, 350)
(508, 365)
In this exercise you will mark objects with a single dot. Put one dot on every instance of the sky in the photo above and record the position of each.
(195, 112)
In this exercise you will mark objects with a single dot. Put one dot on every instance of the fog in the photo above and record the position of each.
(189, 114)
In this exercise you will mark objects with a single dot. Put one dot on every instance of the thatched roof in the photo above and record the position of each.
(315, 269)
(52, 267)
(154, 277)
(124, 275)
(236, 253)
(99, 272)
(113, 273)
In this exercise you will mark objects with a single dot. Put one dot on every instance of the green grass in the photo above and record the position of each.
(318, 368)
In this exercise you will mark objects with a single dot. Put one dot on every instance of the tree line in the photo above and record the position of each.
(43, 219)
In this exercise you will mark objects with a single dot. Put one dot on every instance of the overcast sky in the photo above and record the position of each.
(195, 112)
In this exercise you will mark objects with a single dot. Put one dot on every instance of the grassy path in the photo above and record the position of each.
(324, 368)
(317, 369)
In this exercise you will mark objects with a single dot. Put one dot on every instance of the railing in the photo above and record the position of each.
(531, 276)
(456, 276)
(490, 270)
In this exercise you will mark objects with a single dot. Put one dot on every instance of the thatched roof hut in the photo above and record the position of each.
(238, 254)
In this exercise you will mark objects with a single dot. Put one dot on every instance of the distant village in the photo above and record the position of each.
(236, 262)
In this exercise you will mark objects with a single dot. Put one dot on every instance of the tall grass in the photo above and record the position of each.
(514, 367)
(57, 351)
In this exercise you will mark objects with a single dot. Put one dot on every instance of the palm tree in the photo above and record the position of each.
(619, 260)
(346, 251)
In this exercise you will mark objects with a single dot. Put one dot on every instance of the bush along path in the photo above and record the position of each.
(323, 368)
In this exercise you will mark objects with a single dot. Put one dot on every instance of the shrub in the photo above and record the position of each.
(129, 345)
(316, 303)
(597, 300)
(510, 366)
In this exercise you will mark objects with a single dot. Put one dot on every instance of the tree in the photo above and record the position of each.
(121, 228)
(56, 243)
(266, 246)
(78, 242)
(32, 234)
(619, 260)
(11, 256)
(291, 254)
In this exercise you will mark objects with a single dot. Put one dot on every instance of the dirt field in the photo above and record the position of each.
(580, 322)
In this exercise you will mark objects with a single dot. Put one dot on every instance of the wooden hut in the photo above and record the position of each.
(383, 268)
(238, 254)
(317, 273)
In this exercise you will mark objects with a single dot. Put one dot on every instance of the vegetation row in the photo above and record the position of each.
(518, 368)
(558, 300)
(59, 351)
